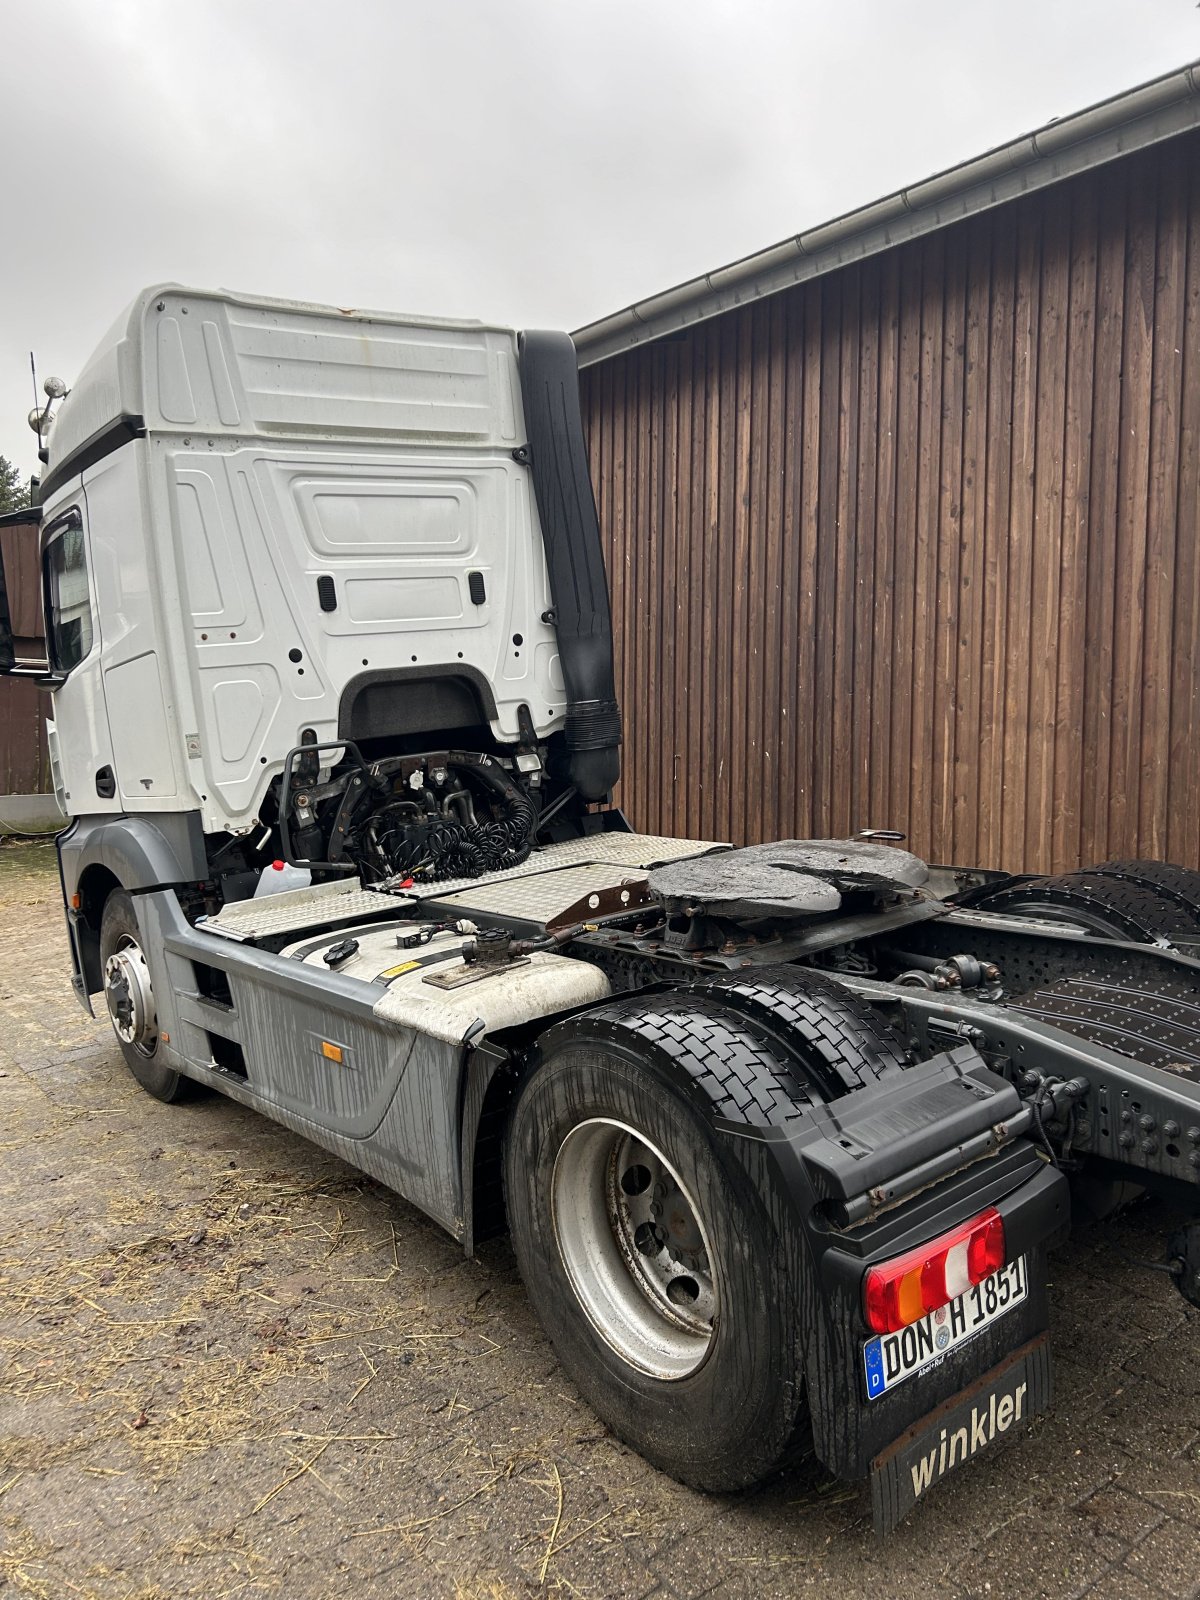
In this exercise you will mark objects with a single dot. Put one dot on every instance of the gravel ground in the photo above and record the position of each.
(229, 1365)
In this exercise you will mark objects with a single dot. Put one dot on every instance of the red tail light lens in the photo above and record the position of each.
(908, 1287)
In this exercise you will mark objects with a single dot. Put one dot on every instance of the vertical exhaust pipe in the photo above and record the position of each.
(566, 507)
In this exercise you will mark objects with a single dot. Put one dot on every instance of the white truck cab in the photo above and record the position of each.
(296, 520)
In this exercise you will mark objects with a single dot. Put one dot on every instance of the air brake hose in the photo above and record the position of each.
(521, 829)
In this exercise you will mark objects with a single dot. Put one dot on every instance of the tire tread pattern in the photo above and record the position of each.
(1145, 913)
(1181, 884)
(738, 1071)
(839, 1038)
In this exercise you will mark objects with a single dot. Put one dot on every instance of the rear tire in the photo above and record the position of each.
(1108, 906)
(837, 1041)
(129, 995)
(1181, 884)
(681, 1328)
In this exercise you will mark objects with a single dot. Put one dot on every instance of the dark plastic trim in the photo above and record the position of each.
(111, 437)
(379, 675)
(141, 852)
(72, 517)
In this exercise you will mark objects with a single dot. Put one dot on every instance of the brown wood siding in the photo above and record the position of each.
(24, 759)
(914, 545)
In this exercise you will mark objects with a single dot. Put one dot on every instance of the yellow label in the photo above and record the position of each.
(397, 972)
(331, 1052)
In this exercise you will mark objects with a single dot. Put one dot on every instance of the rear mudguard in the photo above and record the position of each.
(807, 1159)
(848, 1429)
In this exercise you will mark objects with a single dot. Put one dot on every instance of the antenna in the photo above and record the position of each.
(40, 415)
(39, 410)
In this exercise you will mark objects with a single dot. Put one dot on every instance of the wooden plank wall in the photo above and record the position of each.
(915, 545)
(24, 758)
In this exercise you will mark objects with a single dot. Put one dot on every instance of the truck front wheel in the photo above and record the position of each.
(129, 995)
(653, 1265)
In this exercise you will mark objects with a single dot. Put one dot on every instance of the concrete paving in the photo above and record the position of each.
(231, 1366)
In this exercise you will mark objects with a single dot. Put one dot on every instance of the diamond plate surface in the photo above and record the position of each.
(298, 909)
(621, 849)
(326, 902)
(543, 896)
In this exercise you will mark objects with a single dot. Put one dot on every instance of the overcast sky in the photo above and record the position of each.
(530, 162)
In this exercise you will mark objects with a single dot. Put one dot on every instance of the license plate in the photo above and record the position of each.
(890, 1358)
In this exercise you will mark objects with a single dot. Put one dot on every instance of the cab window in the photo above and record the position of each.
(68, 607)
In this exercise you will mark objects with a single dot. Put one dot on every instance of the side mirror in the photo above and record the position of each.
(37, 671)
(8, 655)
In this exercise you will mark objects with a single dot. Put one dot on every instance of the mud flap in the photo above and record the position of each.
(994, 1407)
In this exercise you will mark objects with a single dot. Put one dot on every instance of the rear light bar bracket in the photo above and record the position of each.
(870, 1152)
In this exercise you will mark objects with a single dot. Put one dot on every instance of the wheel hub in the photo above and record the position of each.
(130, 997)
(634, 1245)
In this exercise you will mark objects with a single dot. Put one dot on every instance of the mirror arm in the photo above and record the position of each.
(36, 673)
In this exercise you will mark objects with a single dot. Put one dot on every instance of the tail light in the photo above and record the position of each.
(908, 1287)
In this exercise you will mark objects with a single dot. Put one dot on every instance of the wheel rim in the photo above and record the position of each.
(130, 997)
(635, 1248)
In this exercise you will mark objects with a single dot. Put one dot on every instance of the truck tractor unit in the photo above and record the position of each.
(781, 1134)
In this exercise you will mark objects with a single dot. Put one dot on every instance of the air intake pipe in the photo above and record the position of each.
(574, 559)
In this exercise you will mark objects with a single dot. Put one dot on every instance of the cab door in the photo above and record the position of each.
(73, 650)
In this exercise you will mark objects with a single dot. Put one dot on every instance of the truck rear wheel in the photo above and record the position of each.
(1109, 906)
(839, 1042)
(646, 1251)
(1181, 884)
(129, 995)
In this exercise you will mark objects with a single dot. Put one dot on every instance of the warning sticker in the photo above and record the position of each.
(398, 972)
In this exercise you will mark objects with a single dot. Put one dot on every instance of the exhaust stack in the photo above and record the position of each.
(574, 559)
